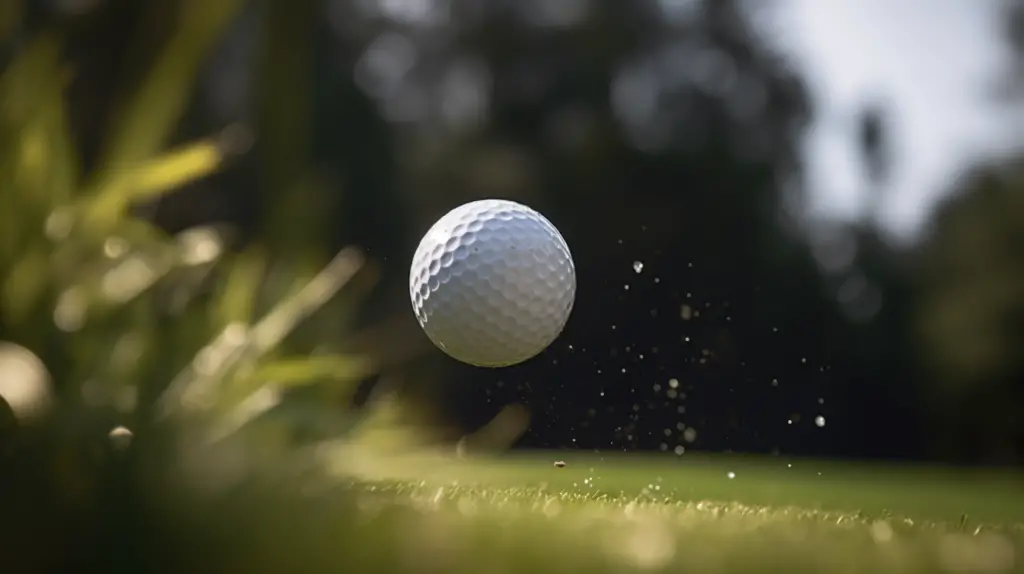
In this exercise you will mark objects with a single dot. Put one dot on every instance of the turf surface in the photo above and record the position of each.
(681, 514)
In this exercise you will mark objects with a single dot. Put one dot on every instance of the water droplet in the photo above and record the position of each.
(690, 435)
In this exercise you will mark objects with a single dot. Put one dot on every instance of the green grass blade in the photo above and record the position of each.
(240, 346)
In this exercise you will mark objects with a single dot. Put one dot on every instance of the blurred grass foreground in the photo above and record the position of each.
(155, 388)
(130, 357)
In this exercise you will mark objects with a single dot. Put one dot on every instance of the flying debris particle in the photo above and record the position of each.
(690, 435)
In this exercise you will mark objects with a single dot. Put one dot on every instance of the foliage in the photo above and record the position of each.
(972, 300)
(100, 308)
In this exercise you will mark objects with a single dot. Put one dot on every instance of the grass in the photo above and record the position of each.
(640, 514)
(627, 513)
(917, 492)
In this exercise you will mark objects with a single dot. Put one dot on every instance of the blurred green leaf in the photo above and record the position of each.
(301, 371)
(34, 71)
(11, 14)
(26, 284)
(147, 118)
(37, 164)
(239, 346)
(152, 178)
(236, 301)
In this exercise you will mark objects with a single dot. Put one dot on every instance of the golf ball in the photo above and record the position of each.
(492, 283)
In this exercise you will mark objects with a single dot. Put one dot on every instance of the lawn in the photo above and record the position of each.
(626, 513)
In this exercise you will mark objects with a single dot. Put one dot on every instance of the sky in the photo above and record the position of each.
(932, 63)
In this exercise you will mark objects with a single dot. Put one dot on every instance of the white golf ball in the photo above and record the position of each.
(492, 283)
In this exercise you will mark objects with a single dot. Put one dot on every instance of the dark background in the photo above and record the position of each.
(703, 320)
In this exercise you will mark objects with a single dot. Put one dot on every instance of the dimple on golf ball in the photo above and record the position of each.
(492, 283)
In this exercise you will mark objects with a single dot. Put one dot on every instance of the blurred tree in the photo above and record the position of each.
(971, 312)
(663, 135)
(969, 315)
